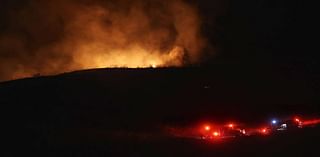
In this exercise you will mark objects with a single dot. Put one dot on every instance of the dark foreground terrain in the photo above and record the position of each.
(301, 143)
(123, 112)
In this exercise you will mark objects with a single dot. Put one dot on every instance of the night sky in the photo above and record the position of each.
(261, 31)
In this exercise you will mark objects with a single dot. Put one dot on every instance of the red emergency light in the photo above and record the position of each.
(216, 134)
(264, 131)
(207, 127)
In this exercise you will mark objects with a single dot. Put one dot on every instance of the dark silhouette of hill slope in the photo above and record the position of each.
(129, 105)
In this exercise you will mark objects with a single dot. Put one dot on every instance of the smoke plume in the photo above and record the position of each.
(54, 36)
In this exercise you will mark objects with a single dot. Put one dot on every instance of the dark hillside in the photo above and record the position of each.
(107, 104)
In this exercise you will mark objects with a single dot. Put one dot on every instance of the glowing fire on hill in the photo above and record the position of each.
(64, 35)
